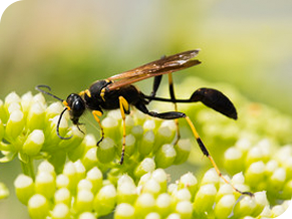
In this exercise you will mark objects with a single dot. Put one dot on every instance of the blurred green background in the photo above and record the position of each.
(69, 44)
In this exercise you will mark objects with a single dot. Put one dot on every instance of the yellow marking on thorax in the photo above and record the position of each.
(87, 92)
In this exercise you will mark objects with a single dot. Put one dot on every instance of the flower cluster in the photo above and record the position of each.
(265, 166)
(77, 179)
(77, 192)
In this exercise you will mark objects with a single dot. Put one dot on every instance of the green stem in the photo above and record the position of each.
(28, 168)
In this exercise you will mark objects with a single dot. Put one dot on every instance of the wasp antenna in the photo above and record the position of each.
(39, 88)
(58, 125)
(80, 128)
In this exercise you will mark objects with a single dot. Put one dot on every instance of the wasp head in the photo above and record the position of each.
(76, 107)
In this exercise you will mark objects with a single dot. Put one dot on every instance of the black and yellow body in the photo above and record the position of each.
(117, 92)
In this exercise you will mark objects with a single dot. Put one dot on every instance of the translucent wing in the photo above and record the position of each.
(165, 65)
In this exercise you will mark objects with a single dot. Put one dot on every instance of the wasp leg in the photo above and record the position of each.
(125, 109)
(177, 115)
(96, 115)
(156, 83)
(173, 99)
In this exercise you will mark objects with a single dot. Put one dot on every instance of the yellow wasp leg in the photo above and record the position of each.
(124, 108)
(206, 152)
(96, 115)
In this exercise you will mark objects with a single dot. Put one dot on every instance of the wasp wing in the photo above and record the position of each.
(165, 65)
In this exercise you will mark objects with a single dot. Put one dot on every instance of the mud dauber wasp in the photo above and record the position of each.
(117, 92)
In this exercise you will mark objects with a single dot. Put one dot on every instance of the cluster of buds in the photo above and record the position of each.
(266, 167)
(77, 179)
(80, 193)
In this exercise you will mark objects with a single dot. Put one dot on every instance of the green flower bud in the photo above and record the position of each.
(72, 143)
(173, 187)
(129, 123)
(261, 202)
(70, 172)
(210, 177)
(165, 156)
(124, 211)
(288, 167)
(152, 215)
(181, 195)
(254, 175)
(11, 98)
(45, 184)
(105, 200)
(271, 166)
(185, 209)
(63, 196)
(163, 136)
(147, 165)
(4, 192)
(38, 98)
(183, 149)
(126, 190)
(130, 146)
(233, 160)
(15, 124)
(90, 159)
(255, 154)
(144, 179)
(95, 177)
(106, 150)
(244, 145)
(146, 145)
(36, 116)
(277, 180)
(246, 206)
(61, 211)
(287, 190)
(46, 166)
(145, 203)
(34, 142)
(52, 140)
(137, 131)
(84, 184)
(87, 215)
(111, 128)
(160, 176)
(173, 216)
(149, 124)
(62, 181)
(224, 190)
(38, 207)
(277, 211)
(163, 204)
(152, 187)
(84, 201)
(204, 199)
(266, 213)
(80, 170)
(24, 188)
(53, 110)
(224, 206)
(190, 182)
